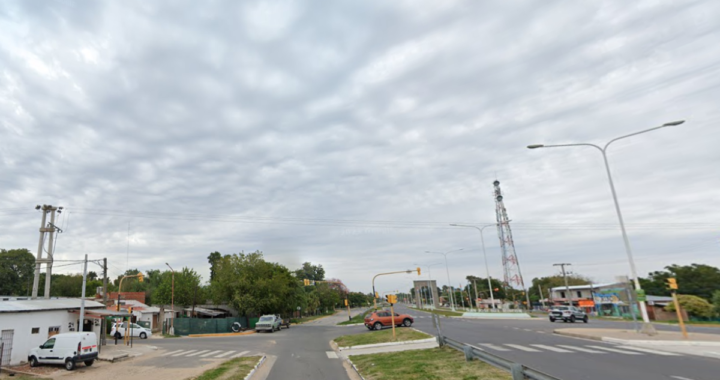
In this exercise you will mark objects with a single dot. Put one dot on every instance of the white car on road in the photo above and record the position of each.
(137, 331)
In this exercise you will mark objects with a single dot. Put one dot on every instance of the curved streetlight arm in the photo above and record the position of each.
(647, 130)
(487, 269)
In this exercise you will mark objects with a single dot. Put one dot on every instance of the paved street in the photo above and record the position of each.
(532, 343)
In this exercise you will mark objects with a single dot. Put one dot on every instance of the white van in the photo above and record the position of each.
(67, 349)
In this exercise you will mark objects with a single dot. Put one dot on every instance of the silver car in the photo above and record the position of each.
(567, 314)
(268, 323)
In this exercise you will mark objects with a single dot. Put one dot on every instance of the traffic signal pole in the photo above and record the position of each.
(385, 274)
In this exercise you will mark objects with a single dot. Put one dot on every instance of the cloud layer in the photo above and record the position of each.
(351, 134)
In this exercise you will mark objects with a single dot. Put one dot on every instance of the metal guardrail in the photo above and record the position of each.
(518, 371)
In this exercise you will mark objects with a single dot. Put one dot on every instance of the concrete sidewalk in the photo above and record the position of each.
(112, 353)
(672, 341)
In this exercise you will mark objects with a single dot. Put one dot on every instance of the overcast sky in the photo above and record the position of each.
(351, 133)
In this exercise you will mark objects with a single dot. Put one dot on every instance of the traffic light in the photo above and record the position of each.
(346, 303)
(377, 295)
(418, 269)
(392, 298)
(141, 277)
(129, 309)
(306, 282)
(117, 307)
(672, 283)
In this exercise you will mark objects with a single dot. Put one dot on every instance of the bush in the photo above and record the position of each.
(694, 305)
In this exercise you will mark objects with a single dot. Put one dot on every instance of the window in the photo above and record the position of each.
(579, 294)
(35, 330)
(53, 330)
(49, 344)
(562, 294)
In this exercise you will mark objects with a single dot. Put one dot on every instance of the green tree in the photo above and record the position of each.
(213, 259)
(482, 288)
(694, 305)
(695, 279)
(17, 269)
(716, 302)
(546, 283)
(310, 272)
(187, 283)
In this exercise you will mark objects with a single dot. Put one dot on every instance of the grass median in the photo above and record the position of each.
(360, 318)
(446, 313)
(382, 336)
(441, 363)
(235, 369)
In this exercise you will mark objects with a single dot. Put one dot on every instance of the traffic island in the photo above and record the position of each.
(435, 363)
(239, 368)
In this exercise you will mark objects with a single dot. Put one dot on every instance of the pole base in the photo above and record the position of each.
(648, 329)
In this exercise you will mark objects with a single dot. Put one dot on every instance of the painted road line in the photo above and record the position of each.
(239, 355)
(540, 332)
(211, 353)
(522, 348)
(493, 347)
(184, 353)
(681, 378)
(649, 351)
(198, 353)
(615, 350)
(331, 354)
(225, 354)
(582, 349)
(172, 352)
(550, 348)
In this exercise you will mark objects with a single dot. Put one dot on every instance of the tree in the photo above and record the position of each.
(694, 305)
(557, 281)
(482, 288)
(252, 285)
(17, 269)
(186, 283)
(310, 272)
(695, 279)
(716, 302)
(213, 259)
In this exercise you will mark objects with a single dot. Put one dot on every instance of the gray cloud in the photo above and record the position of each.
(295, 129)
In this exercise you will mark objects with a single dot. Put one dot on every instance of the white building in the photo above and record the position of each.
(25, 324)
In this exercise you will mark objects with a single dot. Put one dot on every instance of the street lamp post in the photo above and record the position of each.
(647, 327)
(172, 305)
(452, 298)
(487, 270)
(432, 298)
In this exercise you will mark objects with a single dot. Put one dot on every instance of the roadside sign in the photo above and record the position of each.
(641, 297)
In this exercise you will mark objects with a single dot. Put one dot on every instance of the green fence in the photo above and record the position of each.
(191, 326)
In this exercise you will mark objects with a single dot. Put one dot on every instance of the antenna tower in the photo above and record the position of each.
(512, 275)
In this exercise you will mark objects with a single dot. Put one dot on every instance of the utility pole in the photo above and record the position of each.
(476, 295)
(567, 288)
(50, 248)
(541, 295)
(105, 297)
(82, 299)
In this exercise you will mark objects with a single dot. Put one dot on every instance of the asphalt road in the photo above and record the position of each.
(300, 352)
(531, 343)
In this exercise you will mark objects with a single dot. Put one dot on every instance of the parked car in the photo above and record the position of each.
(383, 318)
(567, 314)
(137, 331)
(268, 323)
(67, 349)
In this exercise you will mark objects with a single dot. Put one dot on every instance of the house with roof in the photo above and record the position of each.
(26, 323)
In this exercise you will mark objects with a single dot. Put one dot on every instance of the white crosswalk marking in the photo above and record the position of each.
(184, 353)
(331, 354)
(616, 351)
(550, 348)
(225, 354)
(172, 352)
(522, 348)
(211, 353)
(649, 351)
(493, 347)
(239, 355)
(198, 353)
(581, 349)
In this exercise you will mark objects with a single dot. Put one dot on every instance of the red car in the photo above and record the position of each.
(382, 318)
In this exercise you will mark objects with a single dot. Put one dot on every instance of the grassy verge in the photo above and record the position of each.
(309, 318)
(442, 363)
(446, 313)
(234, 369)
(692, 323)
(360, 318)
(170, 336)
(382, 336)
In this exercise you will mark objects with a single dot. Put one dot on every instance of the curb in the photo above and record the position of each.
(17, 372)
(581, 336)
(355, 368)
(220, 335)
(428, 340)
(662, 342)
(260, 362)
(114, 358)
(352, 324)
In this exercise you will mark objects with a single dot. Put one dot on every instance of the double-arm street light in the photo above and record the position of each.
(452, 298)
(647, 327)
(487, 270)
